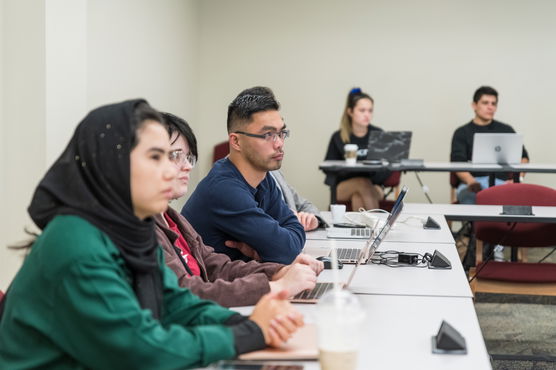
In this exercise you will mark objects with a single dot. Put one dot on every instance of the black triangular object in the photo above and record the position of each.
(431, 224)
(439, 261)
(448, 338)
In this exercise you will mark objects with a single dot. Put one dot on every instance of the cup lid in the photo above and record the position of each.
(351, 147)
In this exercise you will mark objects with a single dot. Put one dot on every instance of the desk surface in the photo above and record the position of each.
(337, 168)
(398, 330)
(431, 166)
(381, 279)
(408, 228)
(475, 212)
(405, 306)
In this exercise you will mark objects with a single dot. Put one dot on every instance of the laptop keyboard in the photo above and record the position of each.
(316, 293)
(349, 254)
(361, 232)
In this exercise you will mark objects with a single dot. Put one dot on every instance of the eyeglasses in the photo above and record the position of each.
(268, 136)
(179, 158)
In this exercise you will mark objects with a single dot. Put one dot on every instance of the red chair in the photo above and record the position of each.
(393, 185)
(454, 183)
(393, 182)
(515, 277)
(220, 151)
(1, 295)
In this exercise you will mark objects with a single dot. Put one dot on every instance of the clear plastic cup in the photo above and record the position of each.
(339, 320)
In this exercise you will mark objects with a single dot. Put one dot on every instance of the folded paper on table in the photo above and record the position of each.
(302, 346)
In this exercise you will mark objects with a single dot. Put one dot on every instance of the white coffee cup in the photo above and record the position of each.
(338, 211)
(339, 320)
(350, 153)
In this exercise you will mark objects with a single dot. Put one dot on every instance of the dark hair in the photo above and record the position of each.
(143, 112)
(353, 97)
(176, 124)
(248, 102)
(484, 90)
(258, 90)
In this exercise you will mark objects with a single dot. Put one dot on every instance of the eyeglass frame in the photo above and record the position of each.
(268, 136)
(190, 158)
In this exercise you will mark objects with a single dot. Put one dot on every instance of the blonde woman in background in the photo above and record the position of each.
(362, 189)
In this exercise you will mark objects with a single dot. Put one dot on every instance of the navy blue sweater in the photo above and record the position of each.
(225, 207)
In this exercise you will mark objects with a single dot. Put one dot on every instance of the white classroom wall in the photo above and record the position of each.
(22, 142)
(62, 58)
(421, 61)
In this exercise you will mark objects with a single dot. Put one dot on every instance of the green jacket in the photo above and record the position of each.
(72, 306)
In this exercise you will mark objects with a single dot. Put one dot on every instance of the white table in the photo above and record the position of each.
(398, 329)
(476, 212)
(405, 306)
(337, 168)
(434, 166)
(411, 281)
(408, 228)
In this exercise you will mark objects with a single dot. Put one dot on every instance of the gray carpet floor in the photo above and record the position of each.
(518, 326)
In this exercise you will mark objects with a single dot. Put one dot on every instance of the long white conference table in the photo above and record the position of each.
(398, 329)
(337, 168)
(410, 281)
(476, 212)
(408, 228)
(405, 306)
(438, 166)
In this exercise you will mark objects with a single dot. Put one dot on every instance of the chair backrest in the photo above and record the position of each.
(454, 183)
(531, 234)
(220, 151)
(393, 180)
(518, 195)
(454, 180)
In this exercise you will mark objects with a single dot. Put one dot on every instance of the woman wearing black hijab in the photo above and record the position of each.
(94, 292)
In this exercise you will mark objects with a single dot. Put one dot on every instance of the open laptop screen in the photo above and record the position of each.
(497, 148)
(400, 198)
(389, 223)
(392, 146)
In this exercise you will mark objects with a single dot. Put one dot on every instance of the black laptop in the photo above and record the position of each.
(389, 146)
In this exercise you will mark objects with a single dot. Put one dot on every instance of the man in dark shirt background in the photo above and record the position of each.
(485, 103)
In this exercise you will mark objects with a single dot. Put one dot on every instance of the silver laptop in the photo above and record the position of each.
(390, 146)
(312, 296)
(357, 233)
(349, 232)
(365, 254)
(350, 255)
(497, 148)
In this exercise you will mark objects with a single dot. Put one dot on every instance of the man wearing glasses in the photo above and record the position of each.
(238, 203)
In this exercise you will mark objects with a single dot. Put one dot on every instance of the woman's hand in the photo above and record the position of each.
(304, 259)
(293, 279)
(277, 318)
